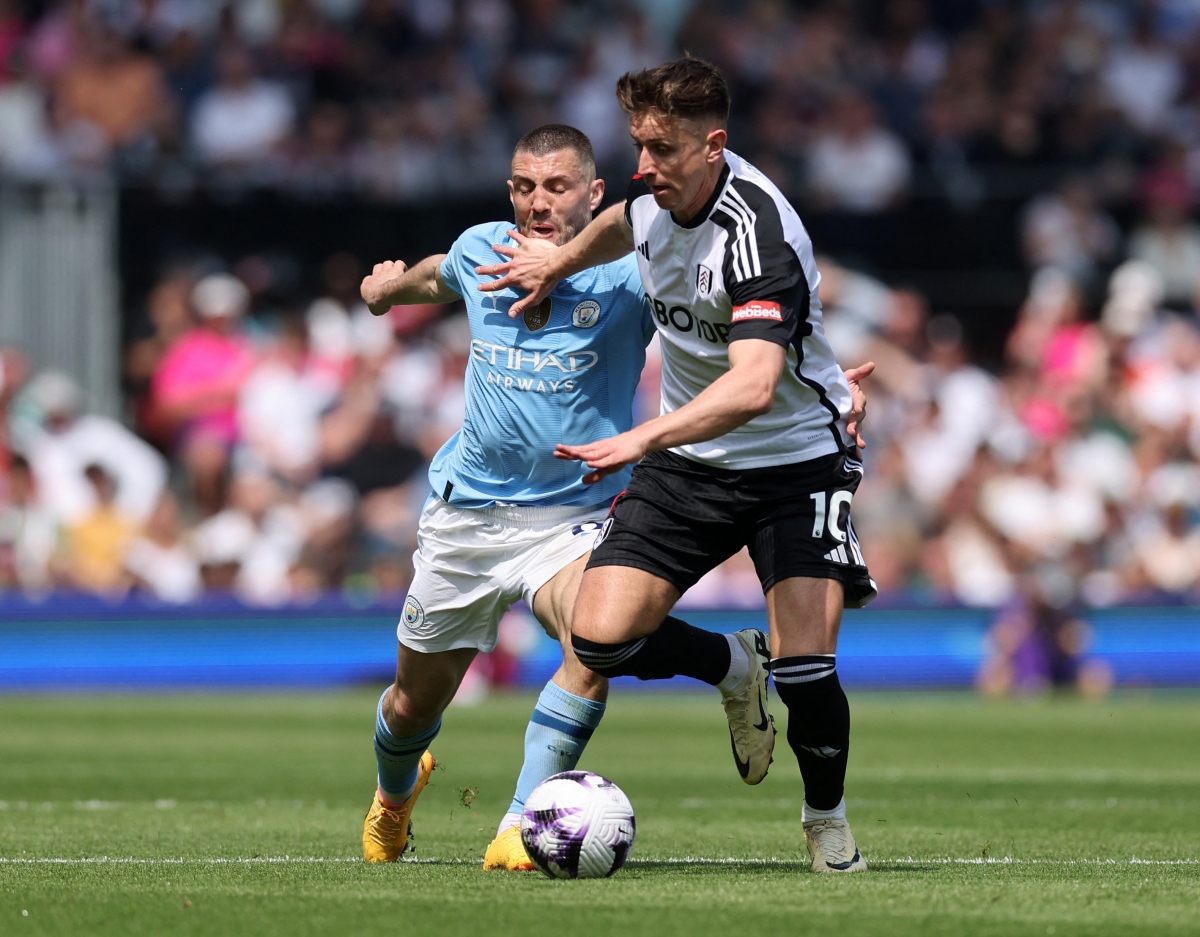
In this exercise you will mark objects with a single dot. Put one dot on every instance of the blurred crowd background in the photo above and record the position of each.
(1034, 423)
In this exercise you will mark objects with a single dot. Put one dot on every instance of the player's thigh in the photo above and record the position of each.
(805, 615)
(425, 685)
(547, 573)
(619, 603)
(554, 602)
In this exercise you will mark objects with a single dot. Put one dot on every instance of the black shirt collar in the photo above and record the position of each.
(702, 215)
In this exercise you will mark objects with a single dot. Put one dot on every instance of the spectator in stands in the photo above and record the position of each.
(28, 533)
(855, 164)
(61, 444)
(1167, 238)
(252, 545)
(963, 406)
(113, 91)
(280, 406)
(243, 121)
(26, 147)
(159, 561)
(1066, 230)
(398, 158)
(13, 372)
(93, 548)
(1143, 77)
(320, 167)
(196, 385)
(168, 316)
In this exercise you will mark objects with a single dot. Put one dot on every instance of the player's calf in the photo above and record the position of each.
(675, 649)
(558, 731)
(819, 734)
(735, 664)
(404, 766)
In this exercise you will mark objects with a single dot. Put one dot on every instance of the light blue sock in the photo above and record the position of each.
(558, 732)
(398, 758)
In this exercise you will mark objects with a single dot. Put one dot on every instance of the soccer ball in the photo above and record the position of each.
(577, 825)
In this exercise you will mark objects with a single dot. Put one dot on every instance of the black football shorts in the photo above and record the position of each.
(680, 518)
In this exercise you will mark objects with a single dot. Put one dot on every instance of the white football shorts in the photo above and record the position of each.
(471, 565)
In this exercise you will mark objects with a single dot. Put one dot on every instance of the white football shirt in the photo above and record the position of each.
(742, 268)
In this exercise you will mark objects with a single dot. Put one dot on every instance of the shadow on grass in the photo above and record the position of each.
(760, 866)
(748, 866)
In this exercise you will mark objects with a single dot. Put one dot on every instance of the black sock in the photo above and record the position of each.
(818, 724)
(675, 649)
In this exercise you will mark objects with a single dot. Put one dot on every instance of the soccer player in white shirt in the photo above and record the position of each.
(754, 444)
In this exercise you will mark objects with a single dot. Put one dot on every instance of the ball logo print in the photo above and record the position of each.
(414, 614)
(586, 314)
(578, 825)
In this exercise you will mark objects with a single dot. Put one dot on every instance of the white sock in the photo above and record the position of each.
(837, 813)
(510, 819)
(739, 666)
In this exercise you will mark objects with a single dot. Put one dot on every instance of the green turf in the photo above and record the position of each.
(1068, 791)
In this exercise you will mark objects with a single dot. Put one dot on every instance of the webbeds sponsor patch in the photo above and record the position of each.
(757, 310)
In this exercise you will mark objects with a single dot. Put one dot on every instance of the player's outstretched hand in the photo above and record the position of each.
(604, 456)
(374, 287)
(858, 413)
(528, 269)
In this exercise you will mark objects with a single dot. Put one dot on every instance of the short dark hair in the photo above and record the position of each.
(690, 88)
(553, 138)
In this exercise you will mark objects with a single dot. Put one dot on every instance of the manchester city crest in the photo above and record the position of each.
(537, 316)
(586, 314)
(414, 614)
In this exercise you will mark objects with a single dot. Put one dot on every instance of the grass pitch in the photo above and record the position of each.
(228, 814)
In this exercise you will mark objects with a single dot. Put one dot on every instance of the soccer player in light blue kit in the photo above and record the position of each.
(506, 520)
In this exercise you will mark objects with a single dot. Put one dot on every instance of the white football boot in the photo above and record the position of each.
(751, 726)
(831, 846)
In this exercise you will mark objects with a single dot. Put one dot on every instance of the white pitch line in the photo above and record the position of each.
(640, 861)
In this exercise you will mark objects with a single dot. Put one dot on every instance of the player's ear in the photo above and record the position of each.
(512, 193)
(715, 143)
(596, 195)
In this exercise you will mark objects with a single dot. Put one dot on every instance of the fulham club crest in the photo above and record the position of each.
(704, 280)
(537, 316)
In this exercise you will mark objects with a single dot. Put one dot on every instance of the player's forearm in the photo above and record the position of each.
(735, 398)
(419, 284)
(606, 239)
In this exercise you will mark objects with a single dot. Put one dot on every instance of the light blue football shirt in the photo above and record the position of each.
(535, 381)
